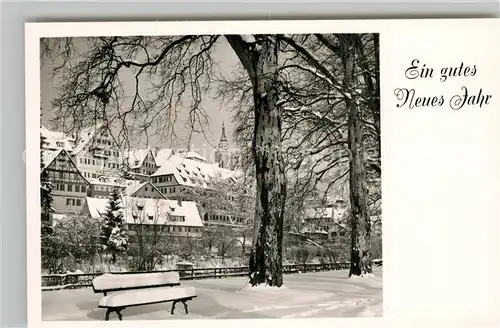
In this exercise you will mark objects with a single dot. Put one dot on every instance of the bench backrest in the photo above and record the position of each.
(114, 282)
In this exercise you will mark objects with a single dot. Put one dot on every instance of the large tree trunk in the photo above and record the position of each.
(261, 61)
(360, 218)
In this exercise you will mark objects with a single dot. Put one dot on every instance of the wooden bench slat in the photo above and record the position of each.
(147, 296)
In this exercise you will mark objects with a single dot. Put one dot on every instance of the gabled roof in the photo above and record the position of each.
(49, 156)
(134, 186)
(136, 157)
(86, 135)
(192, 156)
(193, 173)
(162, 155)
(96, 206)
(160, 209)
(53, 137)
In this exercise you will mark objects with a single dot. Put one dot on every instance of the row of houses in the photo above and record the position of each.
(85, 170)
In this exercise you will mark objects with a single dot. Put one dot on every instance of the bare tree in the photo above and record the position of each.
(302, 92)
(331, 119)
(151, 237)
(174, 66)
(72, 243)
(229, 202)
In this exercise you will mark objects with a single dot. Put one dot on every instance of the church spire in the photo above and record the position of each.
(223, 137)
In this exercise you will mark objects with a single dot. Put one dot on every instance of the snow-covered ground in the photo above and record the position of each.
(310, 295)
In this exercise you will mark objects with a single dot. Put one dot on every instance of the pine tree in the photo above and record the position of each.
(45, 184)
(126, 172)
(113, 237)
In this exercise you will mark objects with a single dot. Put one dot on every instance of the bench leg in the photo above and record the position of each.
(173, 307)
(117, 311)
(108, 311)
(185, 306)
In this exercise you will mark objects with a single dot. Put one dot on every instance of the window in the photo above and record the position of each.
(77, 188)
(146, 188)
(93, 162)
(60, 144)
(83, 189)
(342, 233)
(78, 202)
(68, 201)
(150, 217)
(62, 187)
(70, 187)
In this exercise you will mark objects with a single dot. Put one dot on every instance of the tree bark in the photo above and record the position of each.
(266, 257)
(360, 218)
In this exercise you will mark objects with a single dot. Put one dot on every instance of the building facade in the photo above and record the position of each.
(96, 153)
(184, 179)
(103, 186)
(70, 187)
(141, 163)
(55, 140)
(147, 216)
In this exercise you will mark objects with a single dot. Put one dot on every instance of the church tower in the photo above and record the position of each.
(222, 154)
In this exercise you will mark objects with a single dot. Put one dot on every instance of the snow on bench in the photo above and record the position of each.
(110, 282)
(140, 289)
(149, 296)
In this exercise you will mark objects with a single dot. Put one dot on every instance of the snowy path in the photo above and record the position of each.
(311, 295)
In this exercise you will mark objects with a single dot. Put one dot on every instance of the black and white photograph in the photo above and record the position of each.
(218, 176)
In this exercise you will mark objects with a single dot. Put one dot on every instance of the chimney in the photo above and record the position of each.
(156, 150)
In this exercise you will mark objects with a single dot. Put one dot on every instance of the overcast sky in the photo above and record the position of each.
(216, 114)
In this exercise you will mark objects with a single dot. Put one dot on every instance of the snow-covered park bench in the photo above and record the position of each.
(127, 290)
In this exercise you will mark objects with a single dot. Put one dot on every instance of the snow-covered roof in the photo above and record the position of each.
(331, 211)
(96, 206)
(319, 213)
(136, 157)
(315, 230)
(108, 181)
(48, 156)
(162, 155)
(54, 138)
(160, 209)
(193, 173)
(134, 185)
(192, 155)
(86, 135)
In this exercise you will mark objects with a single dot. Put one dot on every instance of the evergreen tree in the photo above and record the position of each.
(126, 173)
(113, 237)
(45, 184)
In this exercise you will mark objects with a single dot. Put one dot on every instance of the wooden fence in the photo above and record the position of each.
(76, 280)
